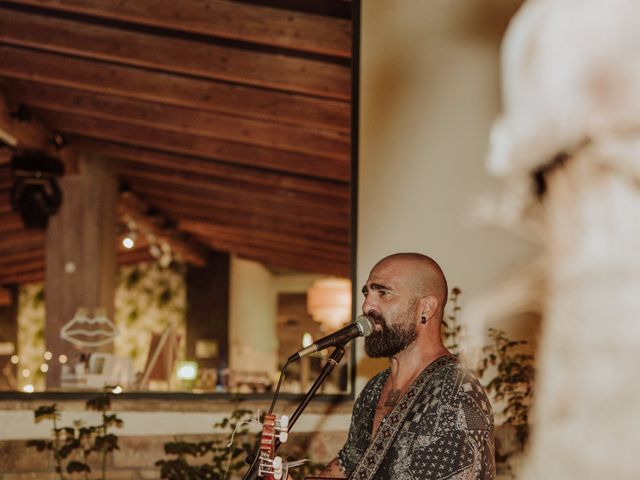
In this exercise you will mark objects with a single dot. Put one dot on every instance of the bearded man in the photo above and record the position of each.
(424, 417)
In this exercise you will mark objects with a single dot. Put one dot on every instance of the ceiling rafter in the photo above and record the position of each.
(225, 19)
(207, 95)
(204, 59)
(183, 143)
(131, 208)
(294, 138)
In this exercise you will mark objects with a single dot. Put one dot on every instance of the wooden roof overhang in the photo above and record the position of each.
(228, 121)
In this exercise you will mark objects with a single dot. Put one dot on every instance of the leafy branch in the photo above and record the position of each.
(514, 380)
(74, 445)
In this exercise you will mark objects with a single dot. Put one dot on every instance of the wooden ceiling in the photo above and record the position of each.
(228, 121)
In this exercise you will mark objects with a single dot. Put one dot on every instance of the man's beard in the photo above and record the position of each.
(391, 340)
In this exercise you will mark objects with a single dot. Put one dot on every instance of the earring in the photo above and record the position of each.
(424, 320)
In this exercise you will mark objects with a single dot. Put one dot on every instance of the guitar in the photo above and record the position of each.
(274, 432)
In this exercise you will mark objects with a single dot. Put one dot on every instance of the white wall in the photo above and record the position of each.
(429, 93)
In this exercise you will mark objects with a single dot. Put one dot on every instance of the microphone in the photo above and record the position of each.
(361, 327)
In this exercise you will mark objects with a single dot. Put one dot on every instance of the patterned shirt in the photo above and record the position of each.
(447, 432)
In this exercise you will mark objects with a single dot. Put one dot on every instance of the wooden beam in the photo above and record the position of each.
(304, 222)
(131, 208)
(6, 297)
(6, 177)
(182, 143)
(212, 168)
(232, 20)
(199, 58)
(218, 211)
(37, 275)
(275, 240)
(22, 267)
(21, 240)
(258, 221)
(294, 138)
(237, 192)
(5, 157)
(207, 95)
(22, 256)
(10, 222)
(279, 258)
(20, 134)
(134, 256)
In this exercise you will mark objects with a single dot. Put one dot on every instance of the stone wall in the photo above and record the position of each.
(138, 452)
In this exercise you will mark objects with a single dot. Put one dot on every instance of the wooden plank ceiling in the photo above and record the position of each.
(228, 121)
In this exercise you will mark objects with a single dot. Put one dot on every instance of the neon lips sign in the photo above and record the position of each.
(86, 331)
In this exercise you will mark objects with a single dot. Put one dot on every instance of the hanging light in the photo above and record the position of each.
(329, 302)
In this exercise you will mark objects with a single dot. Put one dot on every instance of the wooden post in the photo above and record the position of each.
(81, 254)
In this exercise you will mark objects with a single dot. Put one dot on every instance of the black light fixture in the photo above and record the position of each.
(35, 193)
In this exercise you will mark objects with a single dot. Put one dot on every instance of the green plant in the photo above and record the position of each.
(72, 446)
(451, 328)
(190, 462)
(510, 371)
(218, 458)
(513, 381)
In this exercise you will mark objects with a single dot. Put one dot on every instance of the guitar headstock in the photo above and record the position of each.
(270, 466)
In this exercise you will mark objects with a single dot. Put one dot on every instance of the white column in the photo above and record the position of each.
(253, 342)
(588, 398)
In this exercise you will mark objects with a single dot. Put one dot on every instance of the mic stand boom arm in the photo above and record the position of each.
(333, 361)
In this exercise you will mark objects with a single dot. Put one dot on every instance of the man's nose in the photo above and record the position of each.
(368, 305)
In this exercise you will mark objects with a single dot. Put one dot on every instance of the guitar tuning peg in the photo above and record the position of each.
(284, 421)
(283, 436)
(277, 468)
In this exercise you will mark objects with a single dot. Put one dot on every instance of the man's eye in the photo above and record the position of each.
(383, 293)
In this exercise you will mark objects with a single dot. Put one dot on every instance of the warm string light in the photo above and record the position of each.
(130, 236)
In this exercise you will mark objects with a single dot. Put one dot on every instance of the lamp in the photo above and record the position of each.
(329, 302)
(35, 192)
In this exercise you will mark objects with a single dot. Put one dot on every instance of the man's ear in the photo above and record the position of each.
(429, 306)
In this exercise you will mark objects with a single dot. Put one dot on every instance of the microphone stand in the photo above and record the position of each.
(333, 361)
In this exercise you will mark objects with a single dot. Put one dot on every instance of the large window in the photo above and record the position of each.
(207, 169)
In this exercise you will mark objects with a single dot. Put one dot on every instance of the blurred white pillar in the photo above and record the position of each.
(571, 70)
(253, 342)
(588, 399)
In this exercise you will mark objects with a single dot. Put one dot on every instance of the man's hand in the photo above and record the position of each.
(332, 470)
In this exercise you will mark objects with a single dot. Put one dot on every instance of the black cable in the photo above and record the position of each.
(277, 392)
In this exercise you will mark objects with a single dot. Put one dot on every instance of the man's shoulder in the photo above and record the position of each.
(471, 392)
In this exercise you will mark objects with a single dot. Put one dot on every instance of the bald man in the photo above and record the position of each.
(424, 417)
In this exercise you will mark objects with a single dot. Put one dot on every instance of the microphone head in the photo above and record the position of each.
(365, 324)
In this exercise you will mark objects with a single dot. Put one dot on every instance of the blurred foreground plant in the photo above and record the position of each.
(219, 458)
(513, 382)
(72, 446)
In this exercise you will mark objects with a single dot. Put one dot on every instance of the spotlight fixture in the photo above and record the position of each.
(35, 193)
